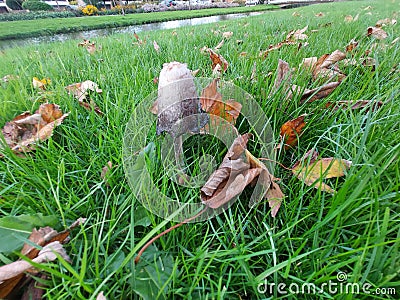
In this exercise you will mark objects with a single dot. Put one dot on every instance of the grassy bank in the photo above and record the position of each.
(315, 235)
(31, 28)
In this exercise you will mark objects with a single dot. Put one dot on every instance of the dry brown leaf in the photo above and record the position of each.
(275, 47)
(283, 76)
(291, 130)
(239, 169)
(105, 171)
(269, 189)
(219, 46)
(243, 54)
(195, 72)
(308, 63)
(217, 59)
(81, 90)
(227, 34)
(320, 14)
(354, 104)
(8, 78)
(348, 18)
(296, 14)
(386, 22)
(319, 92)
(377, 33)
(326, 68)
(298, 34)
(24, 131)
(310, 170)
(44, 237)
(351, 45)
(211, 102)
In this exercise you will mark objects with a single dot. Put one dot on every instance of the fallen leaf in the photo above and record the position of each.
(217, 59)
(298, 34)
(320, 14)
(40, 83)
(326, 68)
(351, 45)
(271, 190)
(243, 54)
(319, 92)
(219, 46)
(8, 78)
(310, 170)
(291, 130)
(275, 47)
(348, 18)
(308, 63)
(81, 90)
(26, 130)
(46, 237)
(377, 33)
(227, 34)
(283, 76)
(296, 14)
(211, 102)
(156, 47)
(354, 104)
(105, 171)
(386, 22)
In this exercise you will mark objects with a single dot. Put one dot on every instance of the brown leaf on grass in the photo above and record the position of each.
(283, 76)
(195, 72)
(351, 45)
(219, 46)
(275, 47)
(320, 14)
(46, 237)
(326, 67)
(89, 46)
(354, 104)
(385, 22)
(308, 63)
(218, 59)
(298, 34)
(105, 171)
(211, 102)
(240, 168)
(81, 90)
(310, 170)
(319, 92)
(156, 47)
(291, 130)
(227, 34)
(8, 78)
(377, 33)
(138, 40)
(24, 131)
(296, 14)
(40, 83)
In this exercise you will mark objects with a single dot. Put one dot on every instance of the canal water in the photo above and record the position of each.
(90, 34)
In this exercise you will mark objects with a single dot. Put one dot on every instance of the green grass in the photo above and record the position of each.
(314, 236)
(40, 27)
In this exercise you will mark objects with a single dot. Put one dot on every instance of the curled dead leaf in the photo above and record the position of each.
(26, 130)
(354, 104)
(319, 92)
(377, 33)
(81, 90)
(291, 130)
(218, 59)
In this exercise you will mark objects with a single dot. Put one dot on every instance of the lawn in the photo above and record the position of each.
(242, 253)
(39, 27)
